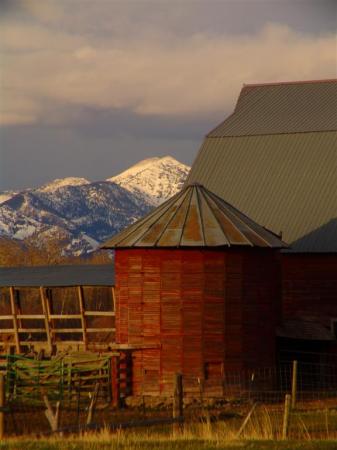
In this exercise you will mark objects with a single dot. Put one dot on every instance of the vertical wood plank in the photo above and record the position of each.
(113, 299)
(49, 308)
(46, 318)
(15, 320)
(18, 307)
(82, 312)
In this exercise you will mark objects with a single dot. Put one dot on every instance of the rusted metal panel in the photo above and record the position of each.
(195, 217)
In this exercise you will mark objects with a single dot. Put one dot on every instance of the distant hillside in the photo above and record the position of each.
(78, 214)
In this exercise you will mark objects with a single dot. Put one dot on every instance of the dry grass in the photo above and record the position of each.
(261, 433)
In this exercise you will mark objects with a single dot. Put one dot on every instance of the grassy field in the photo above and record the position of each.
(309, 429)
(204, 436)
(155, 442)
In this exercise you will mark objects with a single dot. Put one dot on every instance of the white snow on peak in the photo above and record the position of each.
(155, 179)
(135, 169)
(16, 225)
(6, 195)
(63, 182)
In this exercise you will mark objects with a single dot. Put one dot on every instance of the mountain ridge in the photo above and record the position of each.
(80, 214)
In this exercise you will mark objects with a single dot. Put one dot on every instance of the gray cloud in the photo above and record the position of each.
(200, 75)
(125, 80)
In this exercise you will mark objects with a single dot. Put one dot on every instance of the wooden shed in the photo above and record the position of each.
(57, 308)
(197, 289)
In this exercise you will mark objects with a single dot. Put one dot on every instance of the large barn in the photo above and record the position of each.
(236, 272)
(206, 311)
(275, 158)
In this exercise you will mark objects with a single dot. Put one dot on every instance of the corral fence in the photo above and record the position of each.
(71, 393)
(64, 378)
(307, 381)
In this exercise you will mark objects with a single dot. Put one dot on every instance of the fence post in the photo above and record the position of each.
(178, 400)
(115, 380)
(294, 385)
(286, 416)
(2, 406)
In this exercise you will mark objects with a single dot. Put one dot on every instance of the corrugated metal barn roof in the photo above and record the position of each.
(49, 276)
(195, 217)
(282, 108)
(286, 181)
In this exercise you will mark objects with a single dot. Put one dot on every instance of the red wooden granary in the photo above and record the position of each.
(197, 292)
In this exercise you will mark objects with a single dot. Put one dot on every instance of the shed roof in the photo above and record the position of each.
(275, 159)
(58, 276)
(195, 217)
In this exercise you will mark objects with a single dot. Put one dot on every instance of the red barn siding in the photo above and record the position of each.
(204, 311)
(309, 286)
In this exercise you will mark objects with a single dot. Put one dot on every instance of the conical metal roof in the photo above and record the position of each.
(195, 217)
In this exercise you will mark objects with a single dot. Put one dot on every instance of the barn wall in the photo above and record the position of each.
(309, 286)
(262, 307)
(202, 311)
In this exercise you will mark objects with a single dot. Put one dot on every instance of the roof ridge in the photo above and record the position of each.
(266, 133)
(276, 83)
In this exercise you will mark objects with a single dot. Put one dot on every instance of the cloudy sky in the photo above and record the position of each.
(89, 87)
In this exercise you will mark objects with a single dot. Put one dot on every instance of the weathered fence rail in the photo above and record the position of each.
(76, 324)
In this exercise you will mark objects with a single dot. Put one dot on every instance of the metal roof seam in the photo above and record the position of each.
(153, 223)
(201, 217)
(195, 218)
(260, 176)
(187, 211)
(224, 205)
(215, 198)
(170, 220)
(139, 224)
(220, 225)
(236, 113)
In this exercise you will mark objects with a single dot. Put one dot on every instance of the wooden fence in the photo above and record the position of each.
(54, 337)
(62, 378)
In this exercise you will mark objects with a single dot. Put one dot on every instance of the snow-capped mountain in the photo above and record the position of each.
(63, 182)
(17, 225)
(80, 214)
(154, 179)
(6, 195)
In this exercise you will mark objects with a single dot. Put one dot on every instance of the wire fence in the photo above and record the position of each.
(79, 393)
(270, 384)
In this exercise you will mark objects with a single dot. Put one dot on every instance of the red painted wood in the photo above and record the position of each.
(208, 310)
(309, 286)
